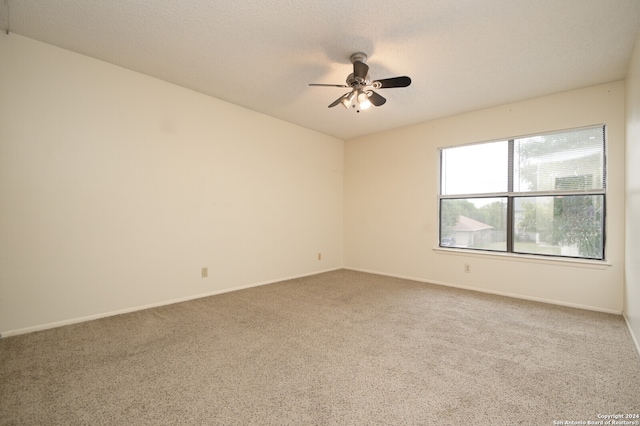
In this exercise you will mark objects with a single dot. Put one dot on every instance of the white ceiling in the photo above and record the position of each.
(462, 55)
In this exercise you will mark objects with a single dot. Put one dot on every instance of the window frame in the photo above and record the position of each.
(510, 195)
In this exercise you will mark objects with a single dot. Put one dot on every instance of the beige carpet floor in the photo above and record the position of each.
(338, 348)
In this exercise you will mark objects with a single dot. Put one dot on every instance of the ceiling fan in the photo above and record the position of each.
(362, 95)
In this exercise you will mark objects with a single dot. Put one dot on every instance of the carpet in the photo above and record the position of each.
(337, 348)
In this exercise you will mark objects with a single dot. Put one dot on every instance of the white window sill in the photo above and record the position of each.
(548, 260)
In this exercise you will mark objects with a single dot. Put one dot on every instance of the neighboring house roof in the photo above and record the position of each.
(467, 224)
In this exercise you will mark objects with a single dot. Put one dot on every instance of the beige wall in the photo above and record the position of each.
(391, 213)
(117, 188)
(632, 284)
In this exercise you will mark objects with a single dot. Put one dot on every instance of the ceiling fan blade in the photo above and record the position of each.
(360, 69)
(387, 83)
(328, 85)
(337, 101)
(376, 99)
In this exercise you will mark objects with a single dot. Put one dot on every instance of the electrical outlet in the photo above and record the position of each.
(467, 268)
(205, 272)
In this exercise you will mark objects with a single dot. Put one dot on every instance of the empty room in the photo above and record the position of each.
(324, 213)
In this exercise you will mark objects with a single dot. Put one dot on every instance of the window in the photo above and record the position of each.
(542, 195)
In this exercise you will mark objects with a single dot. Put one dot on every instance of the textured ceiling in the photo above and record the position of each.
(261, 54)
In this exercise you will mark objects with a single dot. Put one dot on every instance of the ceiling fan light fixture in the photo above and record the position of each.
(347, 101)
(363, 100)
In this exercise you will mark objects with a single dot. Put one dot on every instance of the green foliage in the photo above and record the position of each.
(578, 221)
(530, 151)
(494, 214)
(529, 222)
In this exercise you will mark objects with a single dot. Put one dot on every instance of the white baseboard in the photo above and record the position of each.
(633, 336)
(499, 293)
(78, 320)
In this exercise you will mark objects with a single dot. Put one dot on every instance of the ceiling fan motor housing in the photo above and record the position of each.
(353, 81)
(358, 56)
